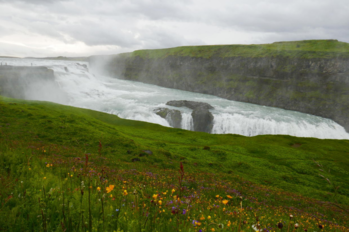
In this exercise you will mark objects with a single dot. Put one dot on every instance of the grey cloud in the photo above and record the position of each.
(101, 33)
(33, 1)
(145, 24)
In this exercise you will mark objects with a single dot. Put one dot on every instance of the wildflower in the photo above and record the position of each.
(217, 196)
(209, 217)
(212, 229)
(117, 210)
(229, 223)
(230, 197)
(109, 188)
(47, 165)
(221, 225)
(321, 226)
(98, 189)
(184, 211)
(291, 216)
(29, 169)
(111, 195)
(296, 226)
(160, 202)
(45, 178)
(125, 192)
(173, 190)
(202, 218)
(256, 227)
(225, 202)
(155, 196)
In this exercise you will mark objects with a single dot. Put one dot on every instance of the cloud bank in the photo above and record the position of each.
(85, 27)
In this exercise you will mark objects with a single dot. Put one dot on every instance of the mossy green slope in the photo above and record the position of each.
(286, 162)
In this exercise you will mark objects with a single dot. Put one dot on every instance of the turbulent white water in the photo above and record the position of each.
(134, 100)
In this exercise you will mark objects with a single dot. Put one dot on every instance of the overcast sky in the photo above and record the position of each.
(89, 27)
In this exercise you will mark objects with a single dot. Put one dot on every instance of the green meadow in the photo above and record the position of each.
(71, 169)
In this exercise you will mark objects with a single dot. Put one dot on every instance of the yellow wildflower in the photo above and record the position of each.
(45, 178)
(225, 202)
(155, 196)
(47, 165)
(125, 192)
(160, 202)
(202, 218)
(209, 217)
(229, 196)
(109, 188)
(98, 189)
(173, 190)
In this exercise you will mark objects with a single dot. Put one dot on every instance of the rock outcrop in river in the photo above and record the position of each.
(202, 117)
(306, 76)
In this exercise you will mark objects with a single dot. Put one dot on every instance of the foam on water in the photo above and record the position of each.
(134, 100)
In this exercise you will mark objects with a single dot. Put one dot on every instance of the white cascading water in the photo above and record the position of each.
(137, 101)
(187, 121)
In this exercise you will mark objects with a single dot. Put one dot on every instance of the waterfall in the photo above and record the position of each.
(137, 101)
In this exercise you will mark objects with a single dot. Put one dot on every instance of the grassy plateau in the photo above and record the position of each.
(70, 169)
(306, 49)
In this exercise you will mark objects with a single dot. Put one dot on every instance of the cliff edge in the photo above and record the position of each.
(306, 76)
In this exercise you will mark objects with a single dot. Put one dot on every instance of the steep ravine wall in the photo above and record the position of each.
(318, 86)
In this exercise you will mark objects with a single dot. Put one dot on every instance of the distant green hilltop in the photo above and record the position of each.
(301, 49)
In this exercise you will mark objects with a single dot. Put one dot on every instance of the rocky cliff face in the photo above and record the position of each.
(310, 82)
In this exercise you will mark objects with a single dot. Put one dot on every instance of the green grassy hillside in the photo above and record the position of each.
(65, 168)
(307, 49)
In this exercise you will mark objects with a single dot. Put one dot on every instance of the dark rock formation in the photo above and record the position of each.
(135, 160)
(202, 119)
(84, 66)
(174, 117)
(190, 104)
